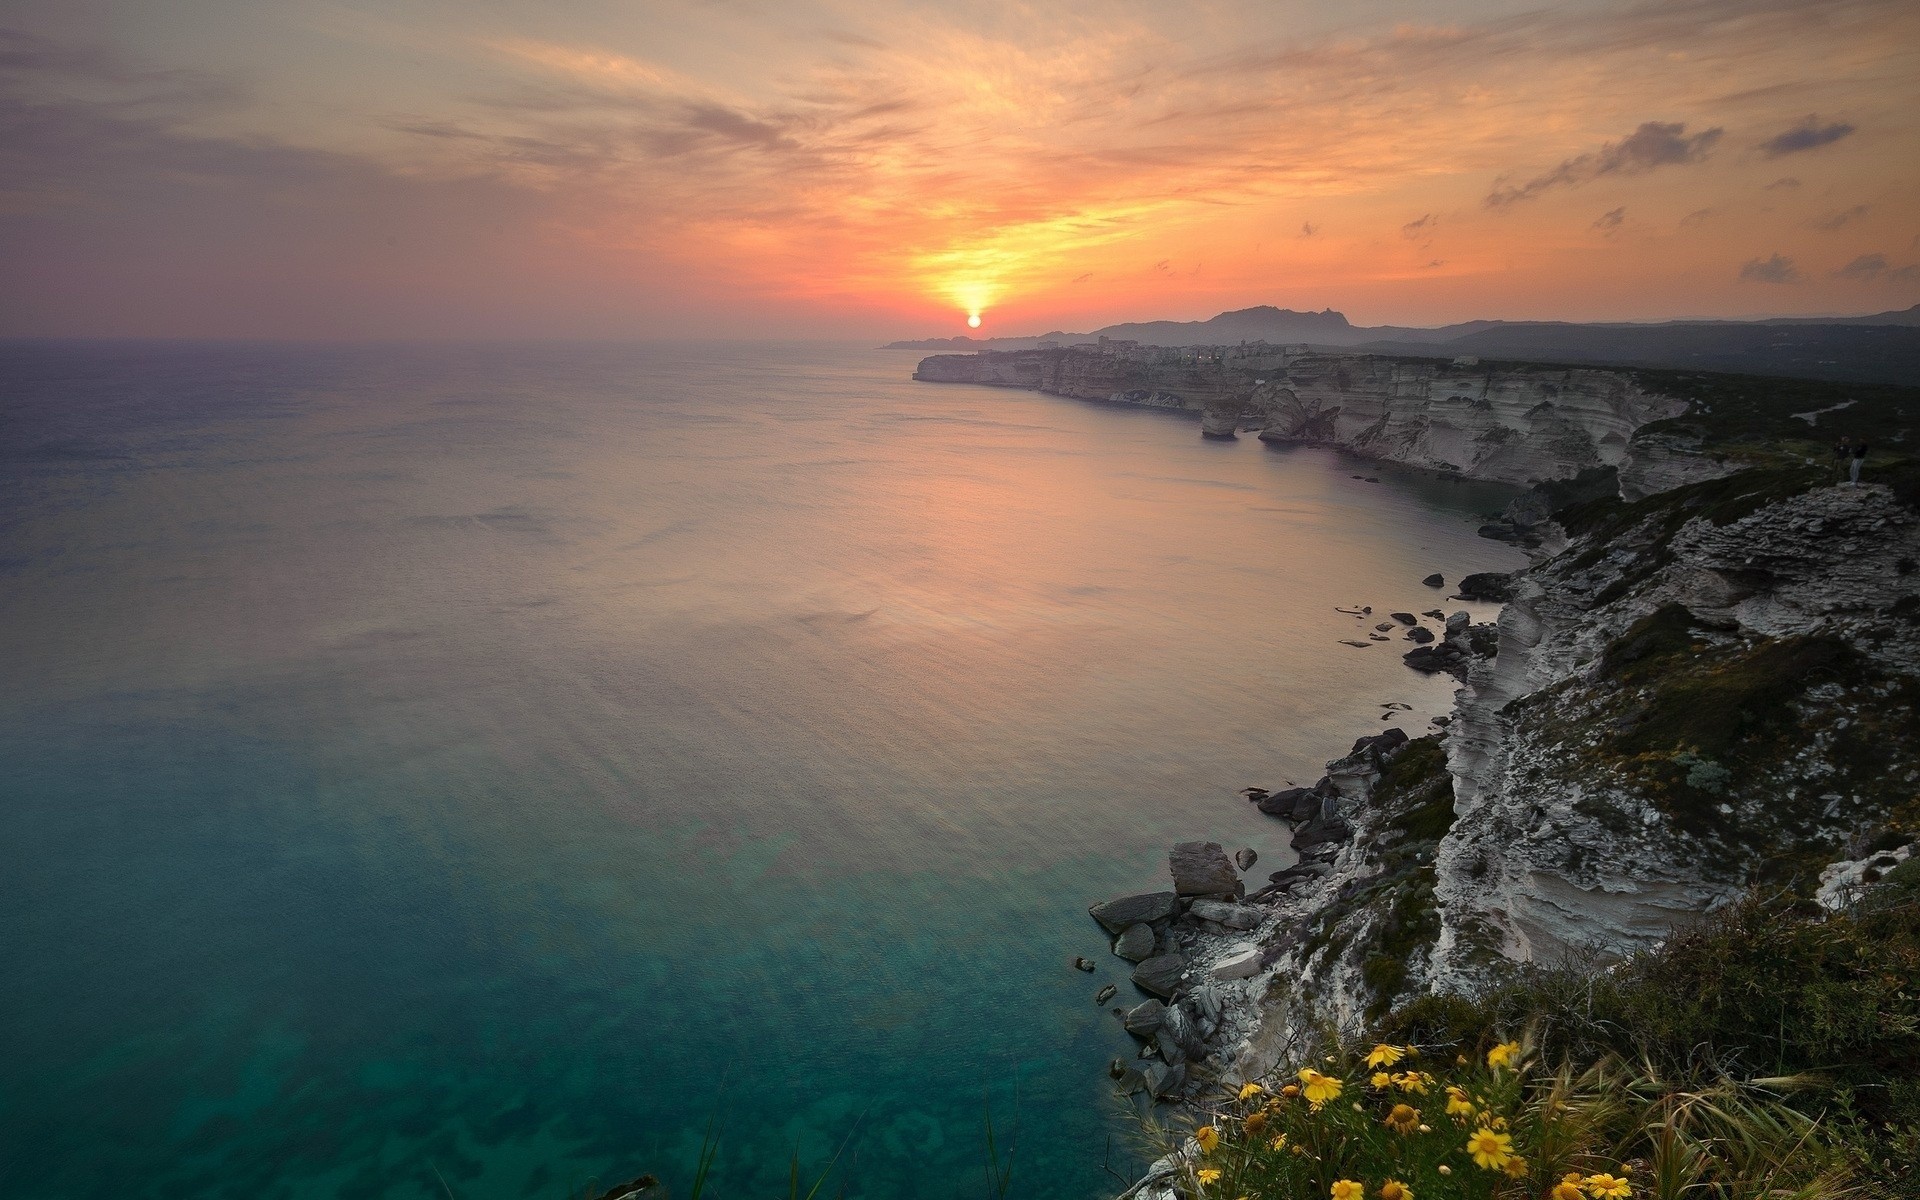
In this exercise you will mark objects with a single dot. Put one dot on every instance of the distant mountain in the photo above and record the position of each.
(1898, 316)
(1879, 347)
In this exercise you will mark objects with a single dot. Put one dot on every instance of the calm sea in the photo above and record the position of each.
(473, 771)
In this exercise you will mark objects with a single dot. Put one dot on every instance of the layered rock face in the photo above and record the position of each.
(1512, 424)
(1677, 712)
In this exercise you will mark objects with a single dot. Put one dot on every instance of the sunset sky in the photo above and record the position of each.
(311, 168)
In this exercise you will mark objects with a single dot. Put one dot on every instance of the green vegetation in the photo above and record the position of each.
(1391, 918)
(1500, 1124)
(1772, 1051)
(1769, 989)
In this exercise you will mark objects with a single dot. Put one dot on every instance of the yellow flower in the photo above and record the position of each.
(1384, 1056)
(1403, 1119)
(1208, 1175)
(1503, 1054)
(1393, 1189)
(1347, 1189)
(1489, 1149)
(1292, 1089)
(1279, 1142)
(1320, 1088)
(1208, 1137)
(1413, 1081)
(1380, 1081)
(1609, 1187)
(1249, 1090)
(1567, 1189)
(1517, 1167)
(1254, 1123)
(1457, 1103)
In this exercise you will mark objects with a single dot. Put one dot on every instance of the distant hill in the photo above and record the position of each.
(1876, 348)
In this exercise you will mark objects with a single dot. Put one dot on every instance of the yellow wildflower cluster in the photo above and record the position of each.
(1604, 1186)
(1486, 1108)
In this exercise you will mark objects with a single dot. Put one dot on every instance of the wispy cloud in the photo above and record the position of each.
(1608, 223)
(1809, 134)
(1654, 144)
(1835, 221)
(1775, 269)
(1867, 266)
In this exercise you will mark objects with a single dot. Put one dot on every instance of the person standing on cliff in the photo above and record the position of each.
(1859, 459)
(1842, 451)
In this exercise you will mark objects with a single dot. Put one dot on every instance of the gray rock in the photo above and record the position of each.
(1144, 1019)
(1155, 1076)
(1106, 993)
(1435, 580)
(1245, 858)
(1321, 833)
(1122, 911)
(1434, 659)
(1233, 916)
(1135, 943)
(1206, 999)
(1202, 869)
(1161, 975)
(1131, 1080)
(1169, 1083)
(1458, 622)
(1241, 963)
(1116, 1068)
(1420, 634)
(1380, 746)
(1083, 963)
(1181, 1030)
(1405, 618)
(1282, 804)
(1493, 586)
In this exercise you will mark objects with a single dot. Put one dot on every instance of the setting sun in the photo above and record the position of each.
(973, 320)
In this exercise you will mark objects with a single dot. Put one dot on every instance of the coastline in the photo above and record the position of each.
(1585, 794)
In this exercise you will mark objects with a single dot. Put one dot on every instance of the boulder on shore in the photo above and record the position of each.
(1435, 580)
(1203, 869)
(1245, 857)
(1135, 943)
(1405, 618)
(1285, 803)
(1122, 911)
(1494, 586)
(1420, 634)
(1143, 1020)
(1161, 975)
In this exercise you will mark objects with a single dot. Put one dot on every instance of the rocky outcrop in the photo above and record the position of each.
(1203, 869)
(1708, 689)
(1513, 423)
(1691, 698)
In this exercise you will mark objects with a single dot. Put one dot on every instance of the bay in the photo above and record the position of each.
(484, 769)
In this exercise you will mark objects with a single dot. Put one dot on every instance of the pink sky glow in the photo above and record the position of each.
(422, 168)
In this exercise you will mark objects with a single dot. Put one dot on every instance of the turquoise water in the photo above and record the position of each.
(473, 770)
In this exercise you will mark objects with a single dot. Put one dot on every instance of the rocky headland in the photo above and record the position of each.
(1517, 423)
(1708, 682)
